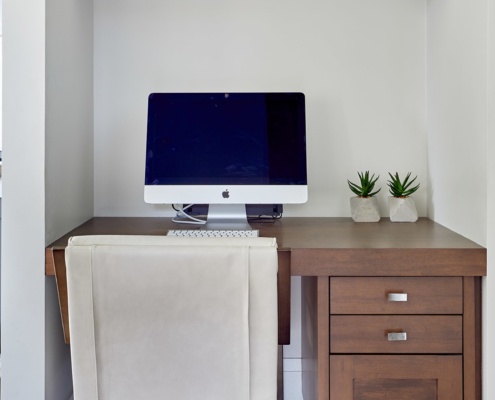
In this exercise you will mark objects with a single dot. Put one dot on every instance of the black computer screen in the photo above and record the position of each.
(226, 139)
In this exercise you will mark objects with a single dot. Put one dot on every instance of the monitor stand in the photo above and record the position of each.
(227, 216)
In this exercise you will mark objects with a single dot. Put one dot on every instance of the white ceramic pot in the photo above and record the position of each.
(402, 209)
(365, 209)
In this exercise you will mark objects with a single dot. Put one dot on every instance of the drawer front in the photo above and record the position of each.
(396, 377)
(419, 334)
(396, 295)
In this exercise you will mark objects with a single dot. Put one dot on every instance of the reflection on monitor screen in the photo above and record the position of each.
(226, 148)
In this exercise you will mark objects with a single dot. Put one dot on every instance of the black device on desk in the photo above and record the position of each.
(226, 150)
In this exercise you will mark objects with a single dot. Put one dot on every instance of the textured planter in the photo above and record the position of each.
(365, 209)
(402, 209)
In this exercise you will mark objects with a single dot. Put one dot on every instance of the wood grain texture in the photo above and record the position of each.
(393, 389)
(369, 295)
(61, 283)
(384, 375)
(323, 339)
(337, 246)
(49, 262)
(309, 337)
(280, 373)
(426, 334)
(472, 338)
(389, 262)
(302, 232)
(315, 339)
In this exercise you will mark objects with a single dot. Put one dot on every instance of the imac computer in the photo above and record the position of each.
(226, 150)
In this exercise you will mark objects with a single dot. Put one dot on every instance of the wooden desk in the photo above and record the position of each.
(322, 249)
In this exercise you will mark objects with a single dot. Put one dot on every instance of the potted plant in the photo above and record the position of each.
(364, 206)
(400, 205)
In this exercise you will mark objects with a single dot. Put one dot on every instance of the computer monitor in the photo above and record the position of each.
(226, 150)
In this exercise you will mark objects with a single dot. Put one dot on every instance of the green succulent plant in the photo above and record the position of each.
(367, 185)
(398, 188)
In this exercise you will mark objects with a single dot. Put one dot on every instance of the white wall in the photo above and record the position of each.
(23, 207)
(48, 182)
(457, 111)
(68, 157)
(489, 282)
(69, 115)
(460, 141)
(360, 64)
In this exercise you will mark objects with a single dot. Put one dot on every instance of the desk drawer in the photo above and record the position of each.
(396, 295)
(419, 334)
(396, 377)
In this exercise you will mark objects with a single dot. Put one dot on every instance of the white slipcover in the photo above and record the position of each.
(172, 318)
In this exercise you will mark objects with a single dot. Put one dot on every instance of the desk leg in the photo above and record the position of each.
(283, 292)
(280, 373)
(472, 338)
(323, 321)
(315, 337)
(61, 281)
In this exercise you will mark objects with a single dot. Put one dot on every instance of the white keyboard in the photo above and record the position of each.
(213, 233)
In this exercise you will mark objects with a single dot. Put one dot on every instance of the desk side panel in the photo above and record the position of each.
(315, 337)
(309, 337)
(283, 290)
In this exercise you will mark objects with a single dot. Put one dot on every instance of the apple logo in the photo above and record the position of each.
(225, 194)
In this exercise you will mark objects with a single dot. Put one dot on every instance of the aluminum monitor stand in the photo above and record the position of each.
(227, 217)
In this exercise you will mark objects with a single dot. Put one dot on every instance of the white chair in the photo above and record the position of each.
(173, 318)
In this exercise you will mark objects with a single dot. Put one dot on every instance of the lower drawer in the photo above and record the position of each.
(420, 334)
(398, 377)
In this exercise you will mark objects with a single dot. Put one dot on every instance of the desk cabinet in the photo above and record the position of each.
(408, 338)
(381, 330)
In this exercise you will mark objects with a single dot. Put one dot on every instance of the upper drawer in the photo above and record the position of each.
(401, 295)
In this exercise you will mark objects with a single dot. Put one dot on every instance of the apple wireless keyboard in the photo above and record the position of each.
(213, 233)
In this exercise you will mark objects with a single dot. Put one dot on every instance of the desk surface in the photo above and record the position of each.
(315, 247)
(336, 246)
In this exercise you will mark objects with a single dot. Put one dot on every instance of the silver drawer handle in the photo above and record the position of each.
(397, 297)
(394, 336)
